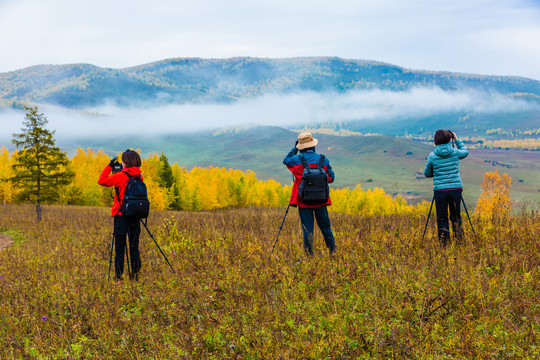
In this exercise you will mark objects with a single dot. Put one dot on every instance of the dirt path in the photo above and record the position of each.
(5, 241)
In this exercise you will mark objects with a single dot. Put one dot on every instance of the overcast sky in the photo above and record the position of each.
(500, 37)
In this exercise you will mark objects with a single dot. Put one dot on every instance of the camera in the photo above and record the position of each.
(452, 139)
(116, 167)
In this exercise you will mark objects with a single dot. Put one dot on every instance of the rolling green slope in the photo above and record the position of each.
(371, 161)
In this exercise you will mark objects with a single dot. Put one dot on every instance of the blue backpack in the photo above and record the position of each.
(313, 188)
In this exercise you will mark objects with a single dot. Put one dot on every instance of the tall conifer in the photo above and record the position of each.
(40, 167)
(168, 181)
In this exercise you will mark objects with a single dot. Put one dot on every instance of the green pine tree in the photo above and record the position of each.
(165, 174)
(176, 204)
(40, 167)
(168, 181)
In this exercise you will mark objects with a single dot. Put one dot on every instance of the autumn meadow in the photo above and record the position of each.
(385, 294)
(212, 286)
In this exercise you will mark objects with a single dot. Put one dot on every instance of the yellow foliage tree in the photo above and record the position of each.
(156, 194)
(84, 190)
(495, 202)
(7, 191)
(201, 188)
(367, 203)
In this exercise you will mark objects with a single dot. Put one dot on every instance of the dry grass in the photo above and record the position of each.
(385, 295)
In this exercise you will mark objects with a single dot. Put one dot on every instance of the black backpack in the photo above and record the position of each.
(313, 189)
(135, 202)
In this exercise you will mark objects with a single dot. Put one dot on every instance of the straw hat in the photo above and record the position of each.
(306, 140)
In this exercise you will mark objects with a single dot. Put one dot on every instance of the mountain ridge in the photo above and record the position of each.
(198, 80)
(366, 61)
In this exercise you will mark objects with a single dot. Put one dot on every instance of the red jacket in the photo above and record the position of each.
(118, 180)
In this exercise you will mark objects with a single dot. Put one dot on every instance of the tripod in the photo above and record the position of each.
(127, 259)
(155, 242)
(280, 227)
(282, 222)
(431, 207)
(127, 251)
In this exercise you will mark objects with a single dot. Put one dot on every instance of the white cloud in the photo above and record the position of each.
(279, 110)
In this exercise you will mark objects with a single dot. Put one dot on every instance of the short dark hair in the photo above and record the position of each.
(442, 137)
(131, 158)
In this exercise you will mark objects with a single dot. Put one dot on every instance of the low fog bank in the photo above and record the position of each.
(291, 110)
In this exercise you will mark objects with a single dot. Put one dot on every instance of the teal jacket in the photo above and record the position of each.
(443, 166)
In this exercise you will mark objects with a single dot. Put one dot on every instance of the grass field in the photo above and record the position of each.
(386, 294)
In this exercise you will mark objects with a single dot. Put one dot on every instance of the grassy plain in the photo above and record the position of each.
(386, 294)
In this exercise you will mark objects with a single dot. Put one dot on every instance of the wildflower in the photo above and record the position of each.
(174, 252)
(43, 318)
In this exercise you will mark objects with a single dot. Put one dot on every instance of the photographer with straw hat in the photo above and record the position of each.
(309, 211)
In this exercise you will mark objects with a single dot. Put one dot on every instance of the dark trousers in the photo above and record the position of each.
(125, 225)
(444, 201)
(307, 216)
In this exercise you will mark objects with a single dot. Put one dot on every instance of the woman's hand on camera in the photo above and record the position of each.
(454, 136)
(113, 160)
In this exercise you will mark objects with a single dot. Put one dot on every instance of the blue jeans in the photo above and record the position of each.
(307, 216)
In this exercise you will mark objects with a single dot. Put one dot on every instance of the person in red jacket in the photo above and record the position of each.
(124, 225)
(309, 212)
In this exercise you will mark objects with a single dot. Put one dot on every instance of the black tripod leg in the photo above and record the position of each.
(110, 259)
(280, 227)
(155, 242)
(428, 215)
(128, 252)
(467, 212)
(128, 260)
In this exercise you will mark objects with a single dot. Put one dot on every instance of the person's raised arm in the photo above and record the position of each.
(462, 150)
(288, 159)
(106, 179)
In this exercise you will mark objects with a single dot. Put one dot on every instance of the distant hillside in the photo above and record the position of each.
(372, 161)
(189, 80)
